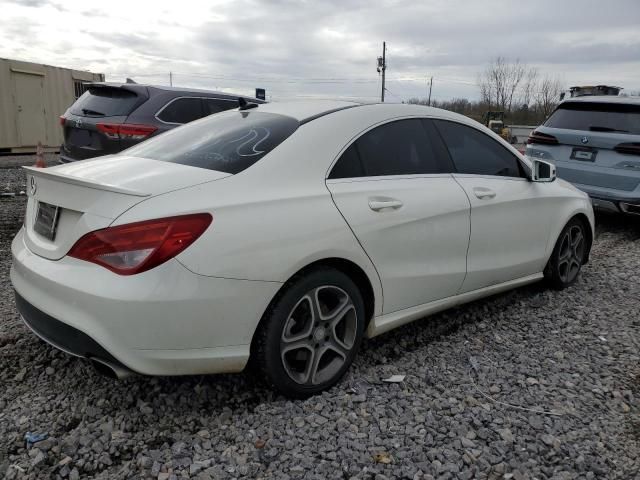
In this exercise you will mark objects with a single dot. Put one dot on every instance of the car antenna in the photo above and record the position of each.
(244, 105)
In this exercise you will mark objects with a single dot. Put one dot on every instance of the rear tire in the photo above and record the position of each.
(569, 253)
(311, 333)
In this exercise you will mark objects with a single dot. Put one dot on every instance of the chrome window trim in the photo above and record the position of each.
(380, 178)
(157, 117)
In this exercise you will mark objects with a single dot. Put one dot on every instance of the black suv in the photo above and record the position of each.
(110, 117)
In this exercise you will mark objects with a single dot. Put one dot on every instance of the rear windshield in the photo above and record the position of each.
(596, 117)
(227, 142)
(105, 102)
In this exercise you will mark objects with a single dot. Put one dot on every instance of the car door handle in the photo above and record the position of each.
(483, 193)
(377, 204)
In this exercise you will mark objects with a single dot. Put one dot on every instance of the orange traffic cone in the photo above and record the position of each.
(40, 157)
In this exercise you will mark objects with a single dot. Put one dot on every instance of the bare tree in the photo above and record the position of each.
(547, 95)
(505, 83)
(529, 86)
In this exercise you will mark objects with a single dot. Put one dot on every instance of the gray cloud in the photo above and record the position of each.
(298, 47)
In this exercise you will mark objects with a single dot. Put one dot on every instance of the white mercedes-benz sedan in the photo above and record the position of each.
(282, 234)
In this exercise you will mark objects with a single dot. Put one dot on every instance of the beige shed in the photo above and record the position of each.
(32, 98)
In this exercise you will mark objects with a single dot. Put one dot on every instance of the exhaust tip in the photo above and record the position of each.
(110, 370)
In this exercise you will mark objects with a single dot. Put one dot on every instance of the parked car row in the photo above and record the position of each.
(594, 141)
(281, 234)
(110, 117)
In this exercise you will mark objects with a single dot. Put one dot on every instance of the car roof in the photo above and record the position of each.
(307, 110)
(139, 86)
(620, 99)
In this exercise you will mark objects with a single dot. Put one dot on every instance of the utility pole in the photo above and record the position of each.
(382, 67)
(430, 86)
(171, 79)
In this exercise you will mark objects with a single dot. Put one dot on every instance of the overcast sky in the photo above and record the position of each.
(327, 48)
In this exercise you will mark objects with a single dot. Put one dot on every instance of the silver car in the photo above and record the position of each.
(595, 144)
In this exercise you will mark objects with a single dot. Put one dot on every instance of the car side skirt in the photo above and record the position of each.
(392, 320)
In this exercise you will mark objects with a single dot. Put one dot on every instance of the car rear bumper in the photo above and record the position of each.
(66, 159)
(63, 336)
(613, 201)
(167, 321)
(612, 180)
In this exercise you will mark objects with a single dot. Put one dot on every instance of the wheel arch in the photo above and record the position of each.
(555, 235)
(349, 268)
(588, 230)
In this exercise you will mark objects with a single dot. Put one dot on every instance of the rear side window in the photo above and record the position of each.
(475, 152)
(182, 110)
(229, 142)
(214, 105)
(349, 164)
(105, 102)
(397, 148)
(596, 117)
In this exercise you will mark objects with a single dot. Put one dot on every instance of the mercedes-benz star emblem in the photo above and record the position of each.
(584, 140)
(33, 186)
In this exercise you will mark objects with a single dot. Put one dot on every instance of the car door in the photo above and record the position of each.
(411, 217)
(510, 215)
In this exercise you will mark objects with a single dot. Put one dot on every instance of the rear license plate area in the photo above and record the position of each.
(81, 137)
(47, 220)
(584, 154)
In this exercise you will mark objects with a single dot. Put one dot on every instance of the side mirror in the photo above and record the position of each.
(542, 171)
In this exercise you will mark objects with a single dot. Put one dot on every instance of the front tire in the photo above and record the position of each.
(311, 333)
(568, 255)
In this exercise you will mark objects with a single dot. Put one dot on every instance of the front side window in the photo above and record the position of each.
(475, 152)
(228, 142)
(182, 110)
(397, 148)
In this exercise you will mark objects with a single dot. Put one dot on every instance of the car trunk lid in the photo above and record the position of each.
(68, 201)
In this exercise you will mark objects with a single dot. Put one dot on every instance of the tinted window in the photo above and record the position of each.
(212, 105)
(349, 165)
(182, 110)
(396, 148)
(596, 117)
(105, 102)
(228, 142)
(475, 152)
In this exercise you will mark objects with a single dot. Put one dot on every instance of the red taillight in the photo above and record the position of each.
(136, 131)
(543, 138)
(62, 119)
(138, 247)
(126, 131)
(632, 148)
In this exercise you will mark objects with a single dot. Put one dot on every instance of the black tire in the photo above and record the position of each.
(286, 349)
(569, 254)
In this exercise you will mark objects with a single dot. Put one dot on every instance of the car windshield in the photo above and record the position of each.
(227, 142)
(597, 117)
(105, 102)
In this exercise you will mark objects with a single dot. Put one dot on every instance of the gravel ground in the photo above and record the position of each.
(530, 384)
(13, 161)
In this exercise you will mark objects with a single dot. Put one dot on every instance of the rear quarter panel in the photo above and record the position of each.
(270, 220)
